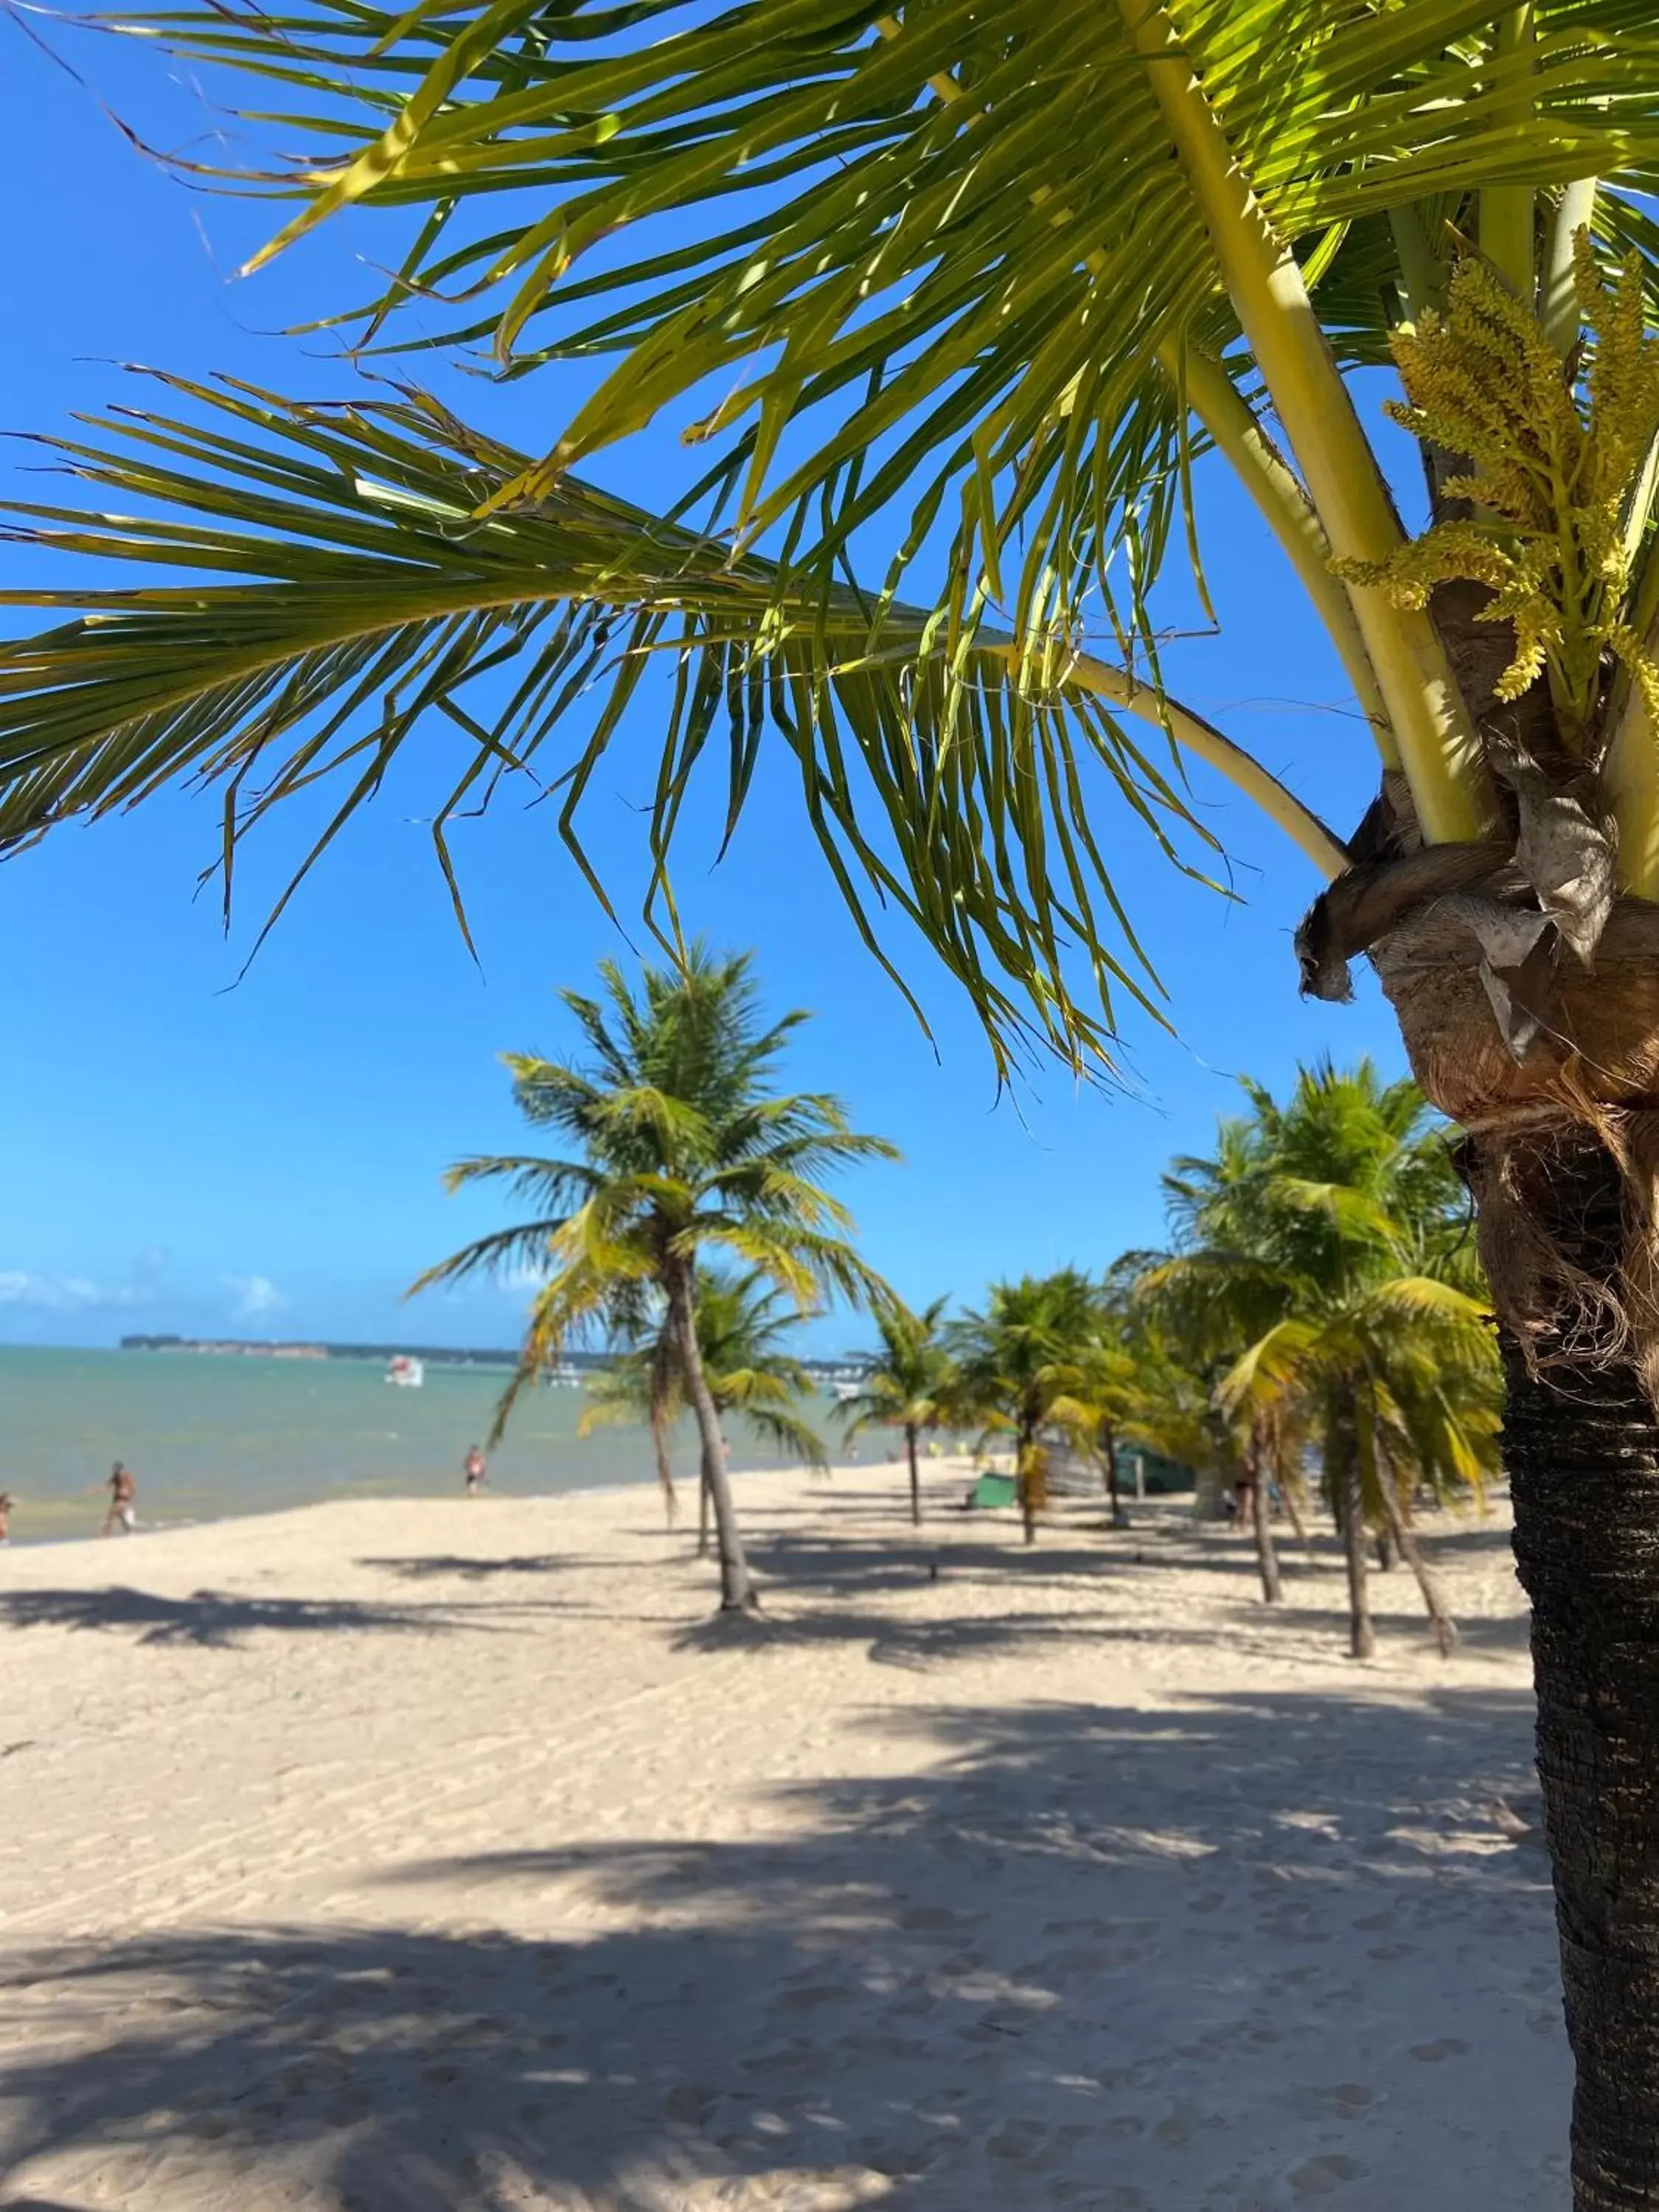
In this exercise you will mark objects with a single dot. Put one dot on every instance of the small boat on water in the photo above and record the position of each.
(405, 1370)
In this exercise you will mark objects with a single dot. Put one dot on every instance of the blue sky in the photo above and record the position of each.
(180, 1150)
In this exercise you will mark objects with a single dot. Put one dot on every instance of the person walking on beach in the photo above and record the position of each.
(474, 1471)
(7, 1501)
(123, 1499)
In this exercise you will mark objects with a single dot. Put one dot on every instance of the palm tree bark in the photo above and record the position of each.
(1405, 1542)
(737, 1593)
(1108, 1463)
(702, 1512)
(665, 1470)
(915, 1474)
(1266, 1552)
(1582, 1448)
(1025, 1481)
(1342, 1456)
(1293, 1515)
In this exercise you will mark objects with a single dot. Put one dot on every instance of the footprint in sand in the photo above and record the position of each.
(1448, 2046)
(1323, 2176)
(1340, 2101)
(1182, 2122)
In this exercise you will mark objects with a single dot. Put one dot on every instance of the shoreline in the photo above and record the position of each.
(419, 1500)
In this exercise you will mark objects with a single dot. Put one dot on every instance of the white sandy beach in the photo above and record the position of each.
(384, 1855)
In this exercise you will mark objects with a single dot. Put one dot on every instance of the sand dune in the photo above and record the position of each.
(431, 1855)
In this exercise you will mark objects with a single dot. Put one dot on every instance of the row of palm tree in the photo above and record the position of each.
(1319, 1303)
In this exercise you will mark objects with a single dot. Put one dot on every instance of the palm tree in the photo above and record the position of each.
(742, 1326)
(1107, 1387)
(1021, 1364)
(911, 1384)
(684, 1146)
(1322, 1251)
(932, 314)
(1171, 1407)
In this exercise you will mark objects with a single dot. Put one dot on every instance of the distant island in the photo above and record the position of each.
(271, 1348)
(254, 1348)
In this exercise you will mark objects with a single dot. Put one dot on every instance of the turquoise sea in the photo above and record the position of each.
(210, 1435)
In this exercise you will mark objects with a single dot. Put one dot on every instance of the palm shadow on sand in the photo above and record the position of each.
(1078, 1956)
(217, 1620)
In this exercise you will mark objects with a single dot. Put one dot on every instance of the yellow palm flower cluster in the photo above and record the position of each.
(1558, 451)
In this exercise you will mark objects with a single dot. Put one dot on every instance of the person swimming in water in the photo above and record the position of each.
(123, 1489)
(474, 1469)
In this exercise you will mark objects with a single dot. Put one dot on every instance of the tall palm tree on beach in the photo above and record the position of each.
(683, 1148)
(742, 1329)
(1021, 1362)
(912, 1384)
(972, 291)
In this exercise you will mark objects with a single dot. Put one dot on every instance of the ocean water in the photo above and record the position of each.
(210, 1435)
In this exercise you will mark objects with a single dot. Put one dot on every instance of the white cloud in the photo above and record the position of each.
(253, 1296)
(21, 1286)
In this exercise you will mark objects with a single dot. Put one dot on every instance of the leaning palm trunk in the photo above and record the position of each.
(664, 1469)
(736, 1587)
(1266, 1552)
(1293, 1515)
(1404, 1536)
(915, 1474)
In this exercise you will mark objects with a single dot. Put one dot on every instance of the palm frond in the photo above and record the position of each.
(344, 591)
(920, 265)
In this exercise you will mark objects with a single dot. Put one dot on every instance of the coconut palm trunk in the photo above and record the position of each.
(1293, 1515)
(737, 1593)
(1266, 1552)
(915, 1474)
(664, 1468)
(1406, 1544)
(1582, 1448)
(1027, 1481)
(1347, 1499)
(1110, 1471)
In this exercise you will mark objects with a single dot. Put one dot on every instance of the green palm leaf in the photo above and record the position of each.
(349, 591)
(920, 266)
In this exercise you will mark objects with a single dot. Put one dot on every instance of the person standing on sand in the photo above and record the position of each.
(123, 1489)
(474, 1469)
(7, 1501)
